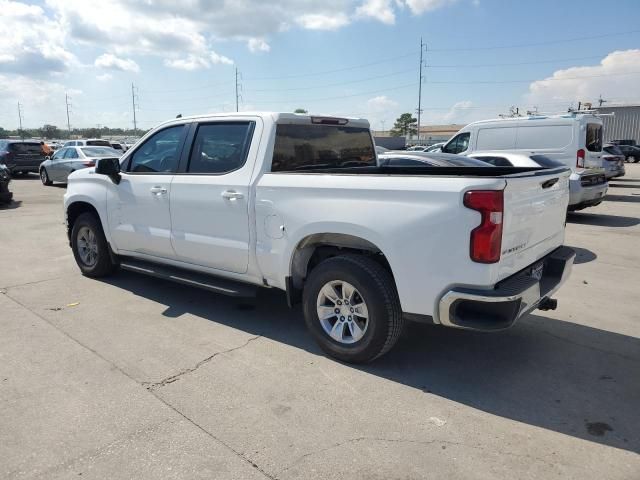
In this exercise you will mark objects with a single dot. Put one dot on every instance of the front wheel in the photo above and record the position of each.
(352, 309)
(44, 177)
(90, 247)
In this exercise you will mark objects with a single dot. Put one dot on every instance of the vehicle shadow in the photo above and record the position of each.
(11, 205)
(622, 198)
(583, 255)
(28, 176)
(553, 374)
(601, 220)
(627, 180)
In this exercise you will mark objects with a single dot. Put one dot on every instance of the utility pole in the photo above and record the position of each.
(423, 47)
(66, 98)
(20, 119)
(133, 104)
(383, 130)
(237, 95)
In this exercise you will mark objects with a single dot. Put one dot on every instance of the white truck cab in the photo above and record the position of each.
(233, 202)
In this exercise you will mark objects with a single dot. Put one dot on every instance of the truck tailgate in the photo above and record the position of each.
(535, 210)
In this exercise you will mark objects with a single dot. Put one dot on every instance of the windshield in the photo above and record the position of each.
(307, 147)
(99, 151)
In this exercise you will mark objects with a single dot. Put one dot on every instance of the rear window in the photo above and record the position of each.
(594, 137)
(98, 143)
(99, 151)
(26, 148)
(307, 147)
(546, 162)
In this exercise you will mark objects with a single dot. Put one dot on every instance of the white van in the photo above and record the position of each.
(574, 139)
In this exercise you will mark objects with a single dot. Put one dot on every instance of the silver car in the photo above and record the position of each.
(69, 159)
(587, 188)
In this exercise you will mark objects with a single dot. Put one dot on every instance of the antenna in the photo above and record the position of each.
(601, 100)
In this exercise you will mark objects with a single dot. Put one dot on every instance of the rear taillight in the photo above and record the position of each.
(89, 163)
(580, 158)
(486, 238)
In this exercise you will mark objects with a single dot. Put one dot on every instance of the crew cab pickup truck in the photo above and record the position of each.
(236, 202)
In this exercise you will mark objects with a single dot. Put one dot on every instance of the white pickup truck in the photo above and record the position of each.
(234, 202)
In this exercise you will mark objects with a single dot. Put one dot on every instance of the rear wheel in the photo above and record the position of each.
(44, 177)
(90, 247)
(352, 309)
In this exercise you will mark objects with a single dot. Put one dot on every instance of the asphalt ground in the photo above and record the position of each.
(133, 377)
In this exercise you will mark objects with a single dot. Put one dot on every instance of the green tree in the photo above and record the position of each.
(300, 110)
(405, 125)
(50, 131)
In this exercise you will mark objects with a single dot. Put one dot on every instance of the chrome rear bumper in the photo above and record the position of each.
(510, 299)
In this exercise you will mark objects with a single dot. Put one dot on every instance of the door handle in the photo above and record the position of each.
(232, 194)
(157, 190)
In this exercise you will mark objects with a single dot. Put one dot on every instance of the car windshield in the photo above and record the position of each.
(21, 148)
(99, 151)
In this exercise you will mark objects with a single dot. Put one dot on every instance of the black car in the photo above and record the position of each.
(631, 153)
(5, 178)
(21, 156)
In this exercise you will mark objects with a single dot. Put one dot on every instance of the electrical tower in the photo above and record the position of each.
(20, 119)
(423, 49)
(68, 102)
(134, 98)
(238, 88)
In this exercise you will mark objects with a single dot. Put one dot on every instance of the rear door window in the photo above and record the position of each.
(309, 147)
(220, 147)
(594, 137)
(70, 154)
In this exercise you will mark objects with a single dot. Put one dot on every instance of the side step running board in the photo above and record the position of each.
(188, 277)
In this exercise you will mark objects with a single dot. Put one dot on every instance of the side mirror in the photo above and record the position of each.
(109, 167)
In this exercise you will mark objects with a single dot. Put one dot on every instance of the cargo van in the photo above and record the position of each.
(574, 139)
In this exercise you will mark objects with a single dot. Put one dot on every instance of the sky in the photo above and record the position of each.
(338, 57)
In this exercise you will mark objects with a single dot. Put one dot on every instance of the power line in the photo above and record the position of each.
(552, 79)
(535, 62)
(535, 44)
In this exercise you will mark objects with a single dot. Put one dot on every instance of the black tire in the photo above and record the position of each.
(104, 265)
(377, 288)
(44, 177)
(636, 159)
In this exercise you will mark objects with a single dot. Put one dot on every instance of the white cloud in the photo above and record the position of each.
(196, 62)
(105, 77)
(459, 112)
(381, 104)
(381, 10)
(418, 7)
(610, 79)
(110, 61)
(30, 42)
(258, 45)
(319, 21)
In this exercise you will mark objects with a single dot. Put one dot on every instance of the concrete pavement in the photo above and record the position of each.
(133, 377)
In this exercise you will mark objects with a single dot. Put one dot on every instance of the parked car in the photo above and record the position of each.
(417, 148)
(587, 187)
(5, 179)
(631, 153)
(574, 139)
(629, 142)
(69, 159)
(436, 147)
(92, 142)
(422, 159)
(118, 146)
(613, 161)
(234, 202)
(21, 156)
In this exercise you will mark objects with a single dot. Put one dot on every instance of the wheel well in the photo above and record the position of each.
(75, 210)
(312, 250)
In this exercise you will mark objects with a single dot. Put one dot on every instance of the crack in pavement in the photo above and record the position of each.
(419, 442)
(173, 378)
(7, 287)
(240, 455)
